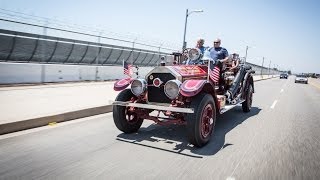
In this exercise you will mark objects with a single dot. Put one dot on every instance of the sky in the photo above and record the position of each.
(285, 33)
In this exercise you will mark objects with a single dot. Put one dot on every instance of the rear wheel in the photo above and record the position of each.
(200, 124)
(246, 105)
(125, 120)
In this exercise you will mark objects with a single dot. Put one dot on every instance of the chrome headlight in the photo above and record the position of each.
(194, 54)
(172, 88)
(138, 86)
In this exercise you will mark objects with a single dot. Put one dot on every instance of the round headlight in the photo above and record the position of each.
(138, 86)
(172, 88)
(194, 54)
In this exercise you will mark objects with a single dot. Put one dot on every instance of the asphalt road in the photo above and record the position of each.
(278, 139)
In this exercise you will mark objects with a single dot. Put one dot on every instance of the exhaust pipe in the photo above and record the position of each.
(236, 83)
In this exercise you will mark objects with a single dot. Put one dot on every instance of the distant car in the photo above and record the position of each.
(301, 79)
(283, 75)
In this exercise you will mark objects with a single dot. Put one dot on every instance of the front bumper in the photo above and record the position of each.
(301, 81)
(154, 107)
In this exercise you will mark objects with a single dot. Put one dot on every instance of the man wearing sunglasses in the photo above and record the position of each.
(217, 52)
(220, 55)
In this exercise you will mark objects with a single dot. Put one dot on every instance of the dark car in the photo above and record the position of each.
(284, 75)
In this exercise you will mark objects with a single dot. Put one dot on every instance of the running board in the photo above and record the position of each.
(230, 106)
(154, 107)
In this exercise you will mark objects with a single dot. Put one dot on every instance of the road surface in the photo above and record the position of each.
(278, 139)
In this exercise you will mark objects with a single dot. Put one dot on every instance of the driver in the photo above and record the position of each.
(217, 52)
(220, 55)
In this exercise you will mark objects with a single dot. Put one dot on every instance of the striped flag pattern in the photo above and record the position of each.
(127, 69)
(215, 74)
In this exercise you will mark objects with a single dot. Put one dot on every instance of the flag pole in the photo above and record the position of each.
(208, 70)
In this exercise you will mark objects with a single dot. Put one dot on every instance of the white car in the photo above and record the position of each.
(301, 79)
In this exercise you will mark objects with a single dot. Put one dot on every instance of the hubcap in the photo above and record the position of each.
(207, 121)
(130, 116)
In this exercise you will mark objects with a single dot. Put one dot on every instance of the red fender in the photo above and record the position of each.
(191, 88)
(122, 84)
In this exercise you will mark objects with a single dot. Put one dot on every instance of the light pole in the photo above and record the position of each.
(245, 60)
(184, 45)
(269, 67)
(262, 66)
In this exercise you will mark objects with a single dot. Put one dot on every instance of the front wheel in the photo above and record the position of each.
(125, 120)
(200, 124)
(246, 105)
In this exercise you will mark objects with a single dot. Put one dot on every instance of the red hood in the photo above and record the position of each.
(186, 71)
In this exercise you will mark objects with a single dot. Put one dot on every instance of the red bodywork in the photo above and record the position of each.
(194, 78)
(122, 84)
(190, 71)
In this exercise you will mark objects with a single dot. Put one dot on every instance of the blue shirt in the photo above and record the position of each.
(202, 49)
(218, 53)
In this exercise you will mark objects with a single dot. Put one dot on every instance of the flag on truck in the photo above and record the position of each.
(127, 69)
(215, 74)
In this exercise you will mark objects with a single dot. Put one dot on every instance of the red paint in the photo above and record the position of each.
(191, 87)
(122, 84)
(190, 70)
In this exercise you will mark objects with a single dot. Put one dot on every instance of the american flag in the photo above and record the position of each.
(127, 68)
(215, 74)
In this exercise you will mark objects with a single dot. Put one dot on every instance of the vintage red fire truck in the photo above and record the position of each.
(190, 94)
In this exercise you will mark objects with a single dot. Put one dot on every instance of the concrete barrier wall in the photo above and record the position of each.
(12, 73)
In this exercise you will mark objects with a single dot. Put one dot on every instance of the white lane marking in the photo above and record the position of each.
(274, 104)
(281, 90)
(231, 178)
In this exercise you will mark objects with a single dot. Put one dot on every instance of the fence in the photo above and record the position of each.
(25, 47)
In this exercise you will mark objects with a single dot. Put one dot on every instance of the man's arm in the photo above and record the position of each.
(226, 55)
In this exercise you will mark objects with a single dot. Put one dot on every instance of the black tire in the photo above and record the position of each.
(199, 125)
(246, 105)
(120, 116)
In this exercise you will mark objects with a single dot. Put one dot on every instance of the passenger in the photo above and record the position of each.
(200, 46)
(234, 63)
